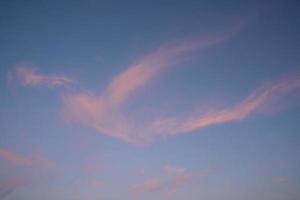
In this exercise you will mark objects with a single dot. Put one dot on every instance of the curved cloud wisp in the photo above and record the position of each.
(252, 103)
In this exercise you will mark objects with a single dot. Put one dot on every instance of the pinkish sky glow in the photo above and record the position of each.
(108, 100)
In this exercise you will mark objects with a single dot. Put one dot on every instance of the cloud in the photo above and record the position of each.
(31, 77)
(16, 159)
(150, 65)
(173, 179)
(280, 180)
(100, 113)
(149, 185)
(103, 111)
(141, 172)
(253, 102)
(92, 165)
(173, 169)
(180, 176)
(35, 168)
(178, 182)
(95, 183)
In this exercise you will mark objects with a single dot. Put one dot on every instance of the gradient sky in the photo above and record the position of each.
(109, 100)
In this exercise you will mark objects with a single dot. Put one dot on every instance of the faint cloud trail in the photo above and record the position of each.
(17, 159)
(173, 179)
(252, 103)
(31, 77)
(37, 168)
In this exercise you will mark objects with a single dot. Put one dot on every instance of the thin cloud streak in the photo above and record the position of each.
(17, 159)
(149, 185)
(178, 182)
(37, 169)
(14, 158)
(103, 111)
(252, 103)
(149, 66)
(176, 178)
(32, 78)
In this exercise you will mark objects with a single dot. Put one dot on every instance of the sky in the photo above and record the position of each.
(165, 99)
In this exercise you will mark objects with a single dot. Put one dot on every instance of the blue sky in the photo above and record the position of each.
(104, 100)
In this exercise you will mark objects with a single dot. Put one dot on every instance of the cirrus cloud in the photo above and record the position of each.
(31, 77)
(103, 110)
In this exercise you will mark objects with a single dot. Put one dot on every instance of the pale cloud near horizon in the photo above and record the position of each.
(38, 165)
(149, 185)
(173, 179)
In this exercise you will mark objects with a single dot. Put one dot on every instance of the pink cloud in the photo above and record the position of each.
(252, 103)
(173, 169)
(98, 113)
(179, 177)
(36, 168)
(92, 165)
(280, 180)
(178, 182)
(16, 159)
(173, 179)
(149, 66)
(148, 185)
(95, 183)
(33, 78)
(103, 111)
(141, 172)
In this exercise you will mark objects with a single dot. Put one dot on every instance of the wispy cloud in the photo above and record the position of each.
(173, 179)
(148, 185)
(280, 180)
(178, 182)
(150, 65)
(17, 159)
(107, 118)
(36, 167)
(252, 103)
(103, 111)
(180, 176)
(8, 186)
(31, 77)
(95, 183)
